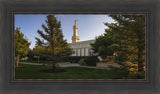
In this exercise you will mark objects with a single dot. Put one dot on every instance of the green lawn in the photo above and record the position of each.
(33, 72)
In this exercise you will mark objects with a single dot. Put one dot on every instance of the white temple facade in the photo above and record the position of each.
(82, 48)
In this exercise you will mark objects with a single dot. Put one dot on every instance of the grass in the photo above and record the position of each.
(33, 72)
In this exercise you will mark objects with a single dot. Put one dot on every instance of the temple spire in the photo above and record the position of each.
(75, 37)
(75, 22)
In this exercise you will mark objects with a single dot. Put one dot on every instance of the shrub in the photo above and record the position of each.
(110, 58)
(91, 61)
(136, 75)
(75, 59)
(82, 62)
(132, 75)
(125, 68)
(140, 75)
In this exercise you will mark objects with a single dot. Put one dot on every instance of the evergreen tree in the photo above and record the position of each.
(106, 44)
(52, 40)
(21, 45)
(133, 40)
(126, 37)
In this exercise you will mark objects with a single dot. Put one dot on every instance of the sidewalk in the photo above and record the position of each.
(29, 63)
(69, 65)
(78, 65)
(93, 67)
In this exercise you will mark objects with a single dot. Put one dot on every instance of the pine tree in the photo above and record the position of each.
(52, 39)
(126, 37)
(21, 45)
(133, 38)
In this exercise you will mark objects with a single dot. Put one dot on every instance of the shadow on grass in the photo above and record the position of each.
(20, 67)
(53, 71)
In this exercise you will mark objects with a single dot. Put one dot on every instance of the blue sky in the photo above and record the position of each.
(89, 26)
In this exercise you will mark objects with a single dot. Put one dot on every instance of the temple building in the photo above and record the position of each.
(80, 48)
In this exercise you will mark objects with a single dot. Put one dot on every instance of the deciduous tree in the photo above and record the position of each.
(21, 45)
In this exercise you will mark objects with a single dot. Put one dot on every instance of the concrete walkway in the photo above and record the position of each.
(78, 65)
(93, 67)
(71, 65)
(30, 63)
(68, 65)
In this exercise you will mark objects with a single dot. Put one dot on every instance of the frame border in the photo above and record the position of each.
(150, 87)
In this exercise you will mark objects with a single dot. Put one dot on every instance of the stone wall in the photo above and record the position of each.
(62, 63)
(107, 65)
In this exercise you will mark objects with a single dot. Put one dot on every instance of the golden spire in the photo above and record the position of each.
(75, 22)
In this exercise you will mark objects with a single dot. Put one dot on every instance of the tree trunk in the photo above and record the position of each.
(53, 51)
(140, 55)
(17, 61)
(140, 63)
(54, 66)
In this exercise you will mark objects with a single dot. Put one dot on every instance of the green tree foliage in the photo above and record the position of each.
(126, 37)
(38, 50)
(21, 45)
(52, 40)
(105, 45)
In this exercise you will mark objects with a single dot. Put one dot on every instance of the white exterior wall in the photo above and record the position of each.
(82, 51)
(86, 50)
(81, 48)
(78, 52)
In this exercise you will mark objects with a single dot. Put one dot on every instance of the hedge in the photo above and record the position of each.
(90, 60)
